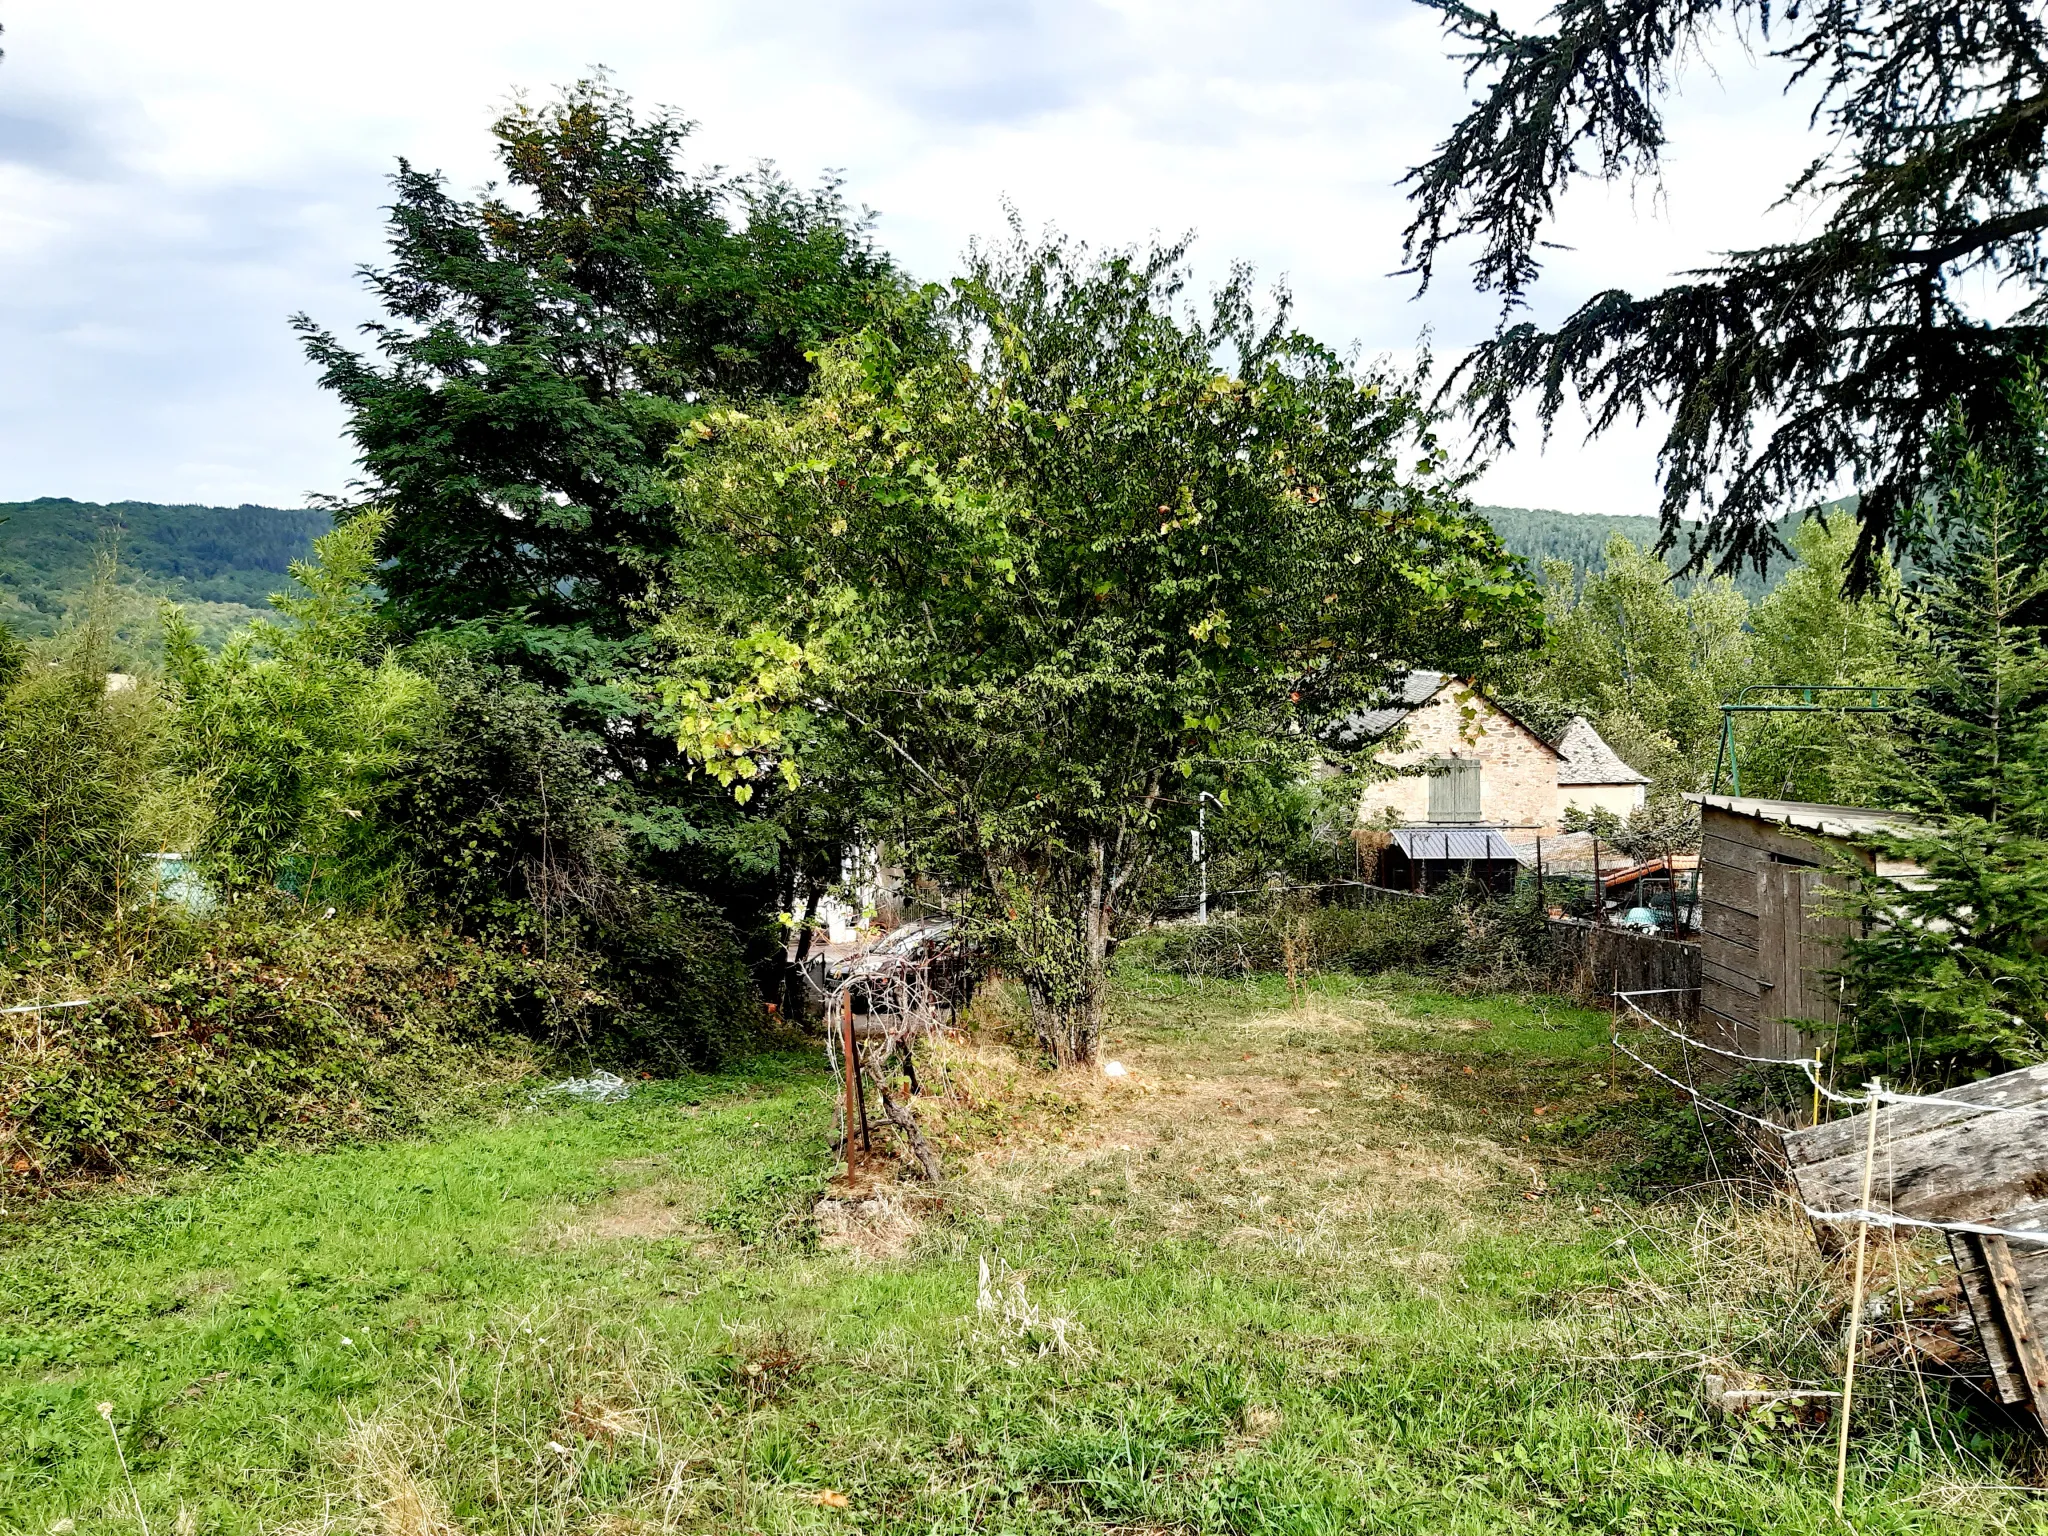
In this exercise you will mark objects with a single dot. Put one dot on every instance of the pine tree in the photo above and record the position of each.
(1950, 977)
(1788, 369)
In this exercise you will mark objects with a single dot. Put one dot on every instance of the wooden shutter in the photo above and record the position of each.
(1454, 789)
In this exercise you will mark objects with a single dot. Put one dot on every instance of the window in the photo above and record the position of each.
(1454, 789)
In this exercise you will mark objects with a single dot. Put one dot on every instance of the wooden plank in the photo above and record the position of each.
(1735, 957)
(1712, 969)
(1820, 950)
(1969, 1171)
(2026, 1344)
(1841, 1138)
(1992, 1335)
(1738, 1007)
(1728, 925)
(2030, 1260)
(1722, 855)
(1777, 942)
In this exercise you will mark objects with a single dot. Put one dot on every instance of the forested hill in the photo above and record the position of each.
(222, 562)
(1581, 538)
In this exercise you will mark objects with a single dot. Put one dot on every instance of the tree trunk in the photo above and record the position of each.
(795, 1004)
(1066, 969)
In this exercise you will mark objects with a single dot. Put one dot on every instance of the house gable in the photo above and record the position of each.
(1518, 769)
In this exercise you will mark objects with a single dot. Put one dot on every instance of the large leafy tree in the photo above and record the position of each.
(1050, 557)
(545, 343)
(1645, 660)
(1788, 368)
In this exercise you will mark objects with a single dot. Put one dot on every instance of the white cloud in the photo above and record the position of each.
(176, 180)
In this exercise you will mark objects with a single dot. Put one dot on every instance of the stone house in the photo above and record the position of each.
(1485, 766)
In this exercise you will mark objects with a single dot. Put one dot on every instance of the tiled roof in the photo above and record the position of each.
(1589, 760)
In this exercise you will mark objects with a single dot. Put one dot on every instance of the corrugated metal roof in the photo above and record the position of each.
(1483, 843)
(1589, 760)
(1845, 821)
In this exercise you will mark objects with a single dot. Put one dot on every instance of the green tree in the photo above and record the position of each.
(547, 342)
(1950, 978)
(1647, 662)
(297, 728)
(1809, 629)
(1786, 369)
(1051, 557)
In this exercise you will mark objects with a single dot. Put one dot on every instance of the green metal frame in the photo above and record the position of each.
(1807, 705)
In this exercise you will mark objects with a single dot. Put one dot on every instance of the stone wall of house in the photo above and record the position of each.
(1618, 798)
(1517, 775)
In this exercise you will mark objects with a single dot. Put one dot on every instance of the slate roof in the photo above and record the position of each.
(1589, 760)
(1417, 689)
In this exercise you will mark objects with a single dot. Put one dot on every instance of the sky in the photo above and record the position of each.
(176, 181)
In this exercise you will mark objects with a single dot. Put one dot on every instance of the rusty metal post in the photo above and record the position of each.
(860, 1089)
(856, 1106)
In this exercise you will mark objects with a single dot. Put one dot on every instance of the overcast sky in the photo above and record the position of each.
(176, 180)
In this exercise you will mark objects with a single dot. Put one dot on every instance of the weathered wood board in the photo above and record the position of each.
(1980, 1158)
(1845, 1138)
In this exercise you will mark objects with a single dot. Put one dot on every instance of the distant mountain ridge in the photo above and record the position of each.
(223, 562)
(1580, 538)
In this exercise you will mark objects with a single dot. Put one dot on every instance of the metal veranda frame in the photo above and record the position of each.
(1806, 692)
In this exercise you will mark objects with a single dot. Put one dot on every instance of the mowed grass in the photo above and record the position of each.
(1368, 1257)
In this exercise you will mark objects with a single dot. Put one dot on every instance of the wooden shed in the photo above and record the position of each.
(1769, 873)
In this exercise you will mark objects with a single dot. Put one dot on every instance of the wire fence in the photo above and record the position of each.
(1874, 1099)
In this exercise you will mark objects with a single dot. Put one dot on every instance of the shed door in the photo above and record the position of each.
(1454, 789)
(1799, 940)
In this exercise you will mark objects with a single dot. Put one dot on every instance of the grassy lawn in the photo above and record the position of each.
(1371, 1258)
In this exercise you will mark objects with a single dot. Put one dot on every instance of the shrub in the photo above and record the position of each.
(296, 729)
(503, 816)
(257, 1025)
(1452, 934)
(244, 1031)
(677, 990)
(77, 776)
(510, 830)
